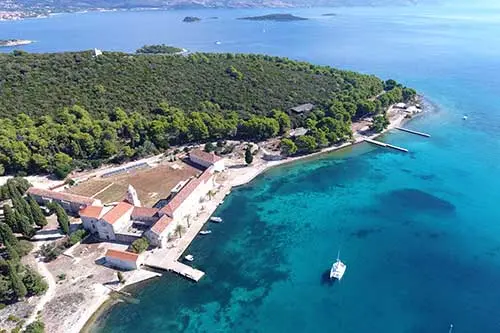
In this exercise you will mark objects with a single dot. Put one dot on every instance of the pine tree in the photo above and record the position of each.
(17, 283)
(6, 236)
(12, 252)
(62, 218)
(9, 218)
(18, 217)
(24, 208)
(37, 213)
(25, 227)
(13, 190)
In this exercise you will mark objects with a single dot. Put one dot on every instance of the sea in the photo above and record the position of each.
(419, 231)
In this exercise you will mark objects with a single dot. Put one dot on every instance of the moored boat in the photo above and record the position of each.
(189, 257)
(216, 219)
(205, 232)
(338, 269)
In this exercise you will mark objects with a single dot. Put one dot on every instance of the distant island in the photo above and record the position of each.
(190, 19)
(159, 49)
(16, 10)
(274, 17)
(14, 42)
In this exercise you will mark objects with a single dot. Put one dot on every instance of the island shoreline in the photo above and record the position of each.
(253, 172)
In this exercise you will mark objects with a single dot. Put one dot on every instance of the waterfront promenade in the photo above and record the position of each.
(168, 258)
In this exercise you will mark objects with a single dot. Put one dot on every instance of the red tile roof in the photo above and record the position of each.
(161, 224)
(144, 212)
(204, 156)
(122, 255)
(117, 212)
(92, 211)
(182, 195)
(61, 196)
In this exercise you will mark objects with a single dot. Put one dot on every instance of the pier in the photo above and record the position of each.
(163, 263)
(386, 145)
(413, 132)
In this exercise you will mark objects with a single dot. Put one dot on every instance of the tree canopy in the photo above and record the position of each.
(158, 49)
(71, 110)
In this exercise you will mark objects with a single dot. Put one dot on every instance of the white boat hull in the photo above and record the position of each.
(338, 269)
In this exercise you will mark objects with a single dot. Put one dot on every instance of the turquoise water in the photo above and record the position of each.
(420, 232)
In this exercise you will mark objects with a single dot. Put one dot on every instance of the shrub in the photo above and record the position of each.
(49, 252)
(120, 276)
(76, 237)
(140, 245)
(14, 318)
(24, 247)
(35, 327)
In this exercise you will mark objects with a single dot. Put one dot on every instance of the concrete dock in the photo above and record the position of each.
(163, 263)
(386, 145)
(413, 132)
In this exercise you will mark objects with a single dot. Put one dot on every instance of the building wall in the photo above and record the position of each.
(153, 238)
(122, 221)
(126, 265)
(90, 224)
(145, 219)
(71, 208)
(200, 161)
(126, 237)
(161, 240)
(105, 230)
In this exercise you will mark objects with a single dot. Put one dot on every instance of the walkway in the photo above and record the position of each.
(47, 297)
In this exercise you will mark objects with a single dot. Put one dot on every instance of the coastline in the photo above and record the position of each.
(237, 176)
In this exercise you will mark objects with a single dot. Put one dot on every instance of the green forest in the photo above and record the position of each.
(158, 49)
(72, 110)
(17, 280)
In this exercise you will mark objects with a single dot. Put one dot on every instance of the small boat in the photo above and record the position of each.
(216, 219)
(465, 117)
(217, 43)
(338, 269)
(189, 257)
(205, 232)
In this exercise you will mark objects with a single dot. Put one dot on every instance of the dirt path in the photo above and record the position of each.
(49, 294)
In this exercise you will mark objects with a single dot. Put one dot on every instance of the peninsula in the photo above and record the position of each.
(14, 42)
(179, 130)
(275, 17)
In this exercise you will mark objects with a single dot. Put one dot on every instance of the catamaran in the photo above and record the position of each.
(338, 269)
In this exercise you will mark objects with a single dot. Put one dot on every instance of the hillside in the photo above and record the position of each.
(68, 110)
(37, 84)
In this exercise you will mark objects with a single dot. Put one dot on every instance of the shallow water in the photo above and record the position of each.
(419, 232)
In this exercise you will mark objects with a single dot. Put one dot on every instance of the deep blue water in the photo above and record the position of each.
(420, 232)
